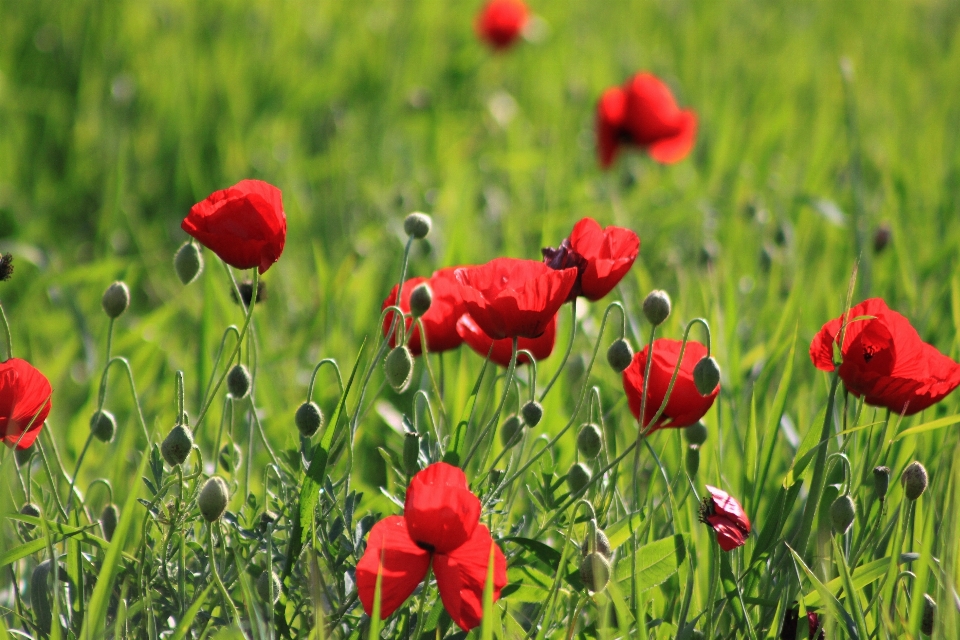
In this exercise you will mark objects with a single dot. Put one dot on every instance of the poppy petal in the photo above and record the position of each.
(404, 565)
(440, 511)
(675, 148)
(462, 575)
(541, 347)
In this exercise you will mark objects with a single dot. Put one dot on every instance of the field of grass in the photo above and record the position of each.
(819, 121)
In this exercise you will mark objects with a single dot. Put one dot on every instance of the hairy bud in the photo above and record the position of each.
(309, 419)
(32, 510)
(188, 263)
(656, 307)
(230, 456)
(213, 499)
(268, 587)
(510, 431)
(881, 481)
(843, 511)
(420, 299)
(578, 477)
(238, 381)
(417, 225)
(398, 367)
(532, 413)
(116, 299)
(411, 453)
(914, 480)
(589, 441)
(177, 445)
(108, 520)
(619, 355)
(929, 615)
(103, 425)
(595, 572)
(601, 546)
(692, 460)
(706, 375)
(696, 433)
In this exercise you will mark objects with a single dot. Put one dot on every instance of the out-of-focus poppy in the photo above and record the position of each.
(501, 22)
(726, 517)
(791, 622)
(541, 347)
(24, 402)
(601, 256)
(440, 320)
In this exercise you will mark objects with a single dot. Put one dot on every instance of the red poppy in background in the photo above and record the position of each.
(884, 360)
(541, 347)
(510, 298)
(685, 406)
(792, 620)
(726, 517)
(440, 525)
(601, 256)
(501, 22)
(24, 402)
(244, 225)
(611, 115)
(440, 320)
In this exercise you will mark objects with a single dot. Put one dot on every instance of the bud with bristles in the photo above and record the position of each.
(213, 499)
(881, 481)
(843, 511)
(929, 615)
(116, 299)
(108, 521)
(914, 480)
(706, 376)
(420, 299)
(398, 367)
(578, 477)
(595, 572)
(411, 453)
(656, 307)
(532, 413)
(589, 441)
(40, 596)
(238, 381)
(177, 445)
(230, 457)
(188, 263)
(309, 419)
(619, 355)
(265, 582)
(32, 510)
(692, 461)
(6, 267)
(417, 225)
(601, 546)
(103, 425)
(510, 431)
(696, 433)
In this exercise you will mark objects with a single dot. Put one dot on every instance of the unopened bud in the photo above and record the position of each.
(213, 499)
(696, 433)
(881, 481)
(595, 572)
(619, 355)
(188, 263)
(245, 289)
(532, 413)
(578, 477)
(40, 596)
(656, 307)
(268, 587)
(601, 546)
(6, 267)
(882, 237)
(116, 299)
(238, 382)
(23, 455)
(929, 615)
(510, 431)
(706, 375)
(692, 460)
(230, 457)
(103, 425)
(398, 367)
(420, 299)
(411, 453)
(417, 225)
(914, 480)
(108, 521)
(589, 441)
(32, 510)
(177, 445)
(309, 419)
(843, 511)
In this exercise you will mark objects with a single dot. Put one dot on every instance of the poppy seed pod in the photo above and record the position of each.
(309, 419)
(601, 546)
(578, 477)
(108, 521)
(103, 425)
(619, 355)
(411, 453)
(230, 457)
(696, 433)
(656, 307)
(417, 225)
(116, 299)
(188, 263)
(398, 367)
(843, 511)
(510, 431)
(532, 413)
(213, 499)
(177, 445)
(929, 615)
(914, 480)
(706, 375)
(267, 581)
(595, 572)
(238, 382)
(420, 299)
(881, 481)
(22, 456)
(692, 460)
(589, 441)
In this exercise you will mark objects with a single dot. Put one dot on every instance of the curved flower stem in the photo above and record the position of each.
(6, 332)
(316, 370)
(573, 334)
(227, 404)
(76, 470)
(216, 574)
(425, 356)
(53, 480)
(216, 361)
(496, 415)
(641, 427)
(263, 436)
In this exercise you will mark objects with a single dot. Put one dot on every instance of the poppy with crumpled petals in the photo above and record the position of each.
(244, 225)
(440, 526)
(601, 256)
(884, 360)
(440, 320)
(501, 22)
(726, 517)
(24, 402)
(541, 347)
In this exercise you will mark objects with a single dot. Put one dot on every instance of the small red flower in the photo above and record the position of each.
(601, 256)
(440, 320)
(685, 406)
(884, 360)
(501, 22)
(24, 402)
(540, 347)
(726, 517)
(510, 298)
(440, 524)
(244, 225)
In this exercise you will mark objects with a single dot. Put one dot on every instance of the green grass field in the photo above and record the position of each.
(819, 121)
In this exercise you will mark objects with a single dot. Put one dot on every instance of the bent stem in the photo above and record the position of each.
(216, 574)
(503, 400)
(6, 332)
(76, 471)
(566, 355)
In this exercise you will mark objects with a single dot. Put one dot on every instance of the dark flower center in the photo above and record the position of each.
(564, 257)
(706, 509)
(429, 548)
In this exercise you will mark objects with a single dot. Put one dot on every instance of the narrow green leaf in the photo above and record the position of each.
(850, 591)
(832, 604)
(928, 426)
(656, 562)
(862, 576)
(488, 621)
(621, 532)
(187, 620)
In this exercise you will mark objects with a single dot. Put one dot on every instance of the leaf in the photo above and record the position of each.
(832, 604)
(187, 620)
(621, 532)
(928, 426)
(862, 576)
(655, 562)
(488, 621)
(545, 553)
(853, 600)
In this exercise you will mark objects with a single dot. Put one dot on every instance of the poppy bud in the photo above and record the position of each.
(6, 266)
(601, 545)
(510, 431)
(309, 419)
(267, 518)
(589, 441)
(188, 263)
(32, 510)
(177, 445)
(213, 499)
(882, 237)
(230, 457)
(238, 382)
(595, 572)
(929, 615)
(578, 477)
(914, 480)
(881, 481)
(103, 425)
(417, 225)
(108, 521)
(692, 461)
(619, 355)
(411, 453)
(532, 412)
(40, 595)
(116, 299)
(265, 582)
(706, 376)
(656, 307)
(842, 513)
(696, 433)
(23, 455)
(246, 292)
(398, 366)
(420, 299)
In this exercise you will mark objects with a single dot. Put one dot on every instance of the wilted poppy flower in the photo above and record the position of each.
(244, 225)
(791, 622)
(501, 22)
(884, 360)
(601, 256)
(541, 347)
(440, 320)
(686, 406)
(440, 525)
(726, 517)
(510, 298)
(24, 402)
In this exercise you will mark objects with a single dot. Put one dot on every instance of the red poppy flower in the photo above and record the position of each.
(244, 225)
(501, 22)
(440, 525)
(726, 517)
(440, 320)
(540, 347)
(601, 256)
(884, 359)
(511, 298)
(686, 406)
(24, 402)
(792, 620)
(611, 115)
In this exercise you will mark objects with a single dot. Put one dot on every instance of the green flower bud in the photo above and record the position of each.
(238, 381)
(656, 307)
(417, 225)
(595, 572)
(914, 480)
(578, 477)
(32, 510)
(510, 431)
(188, 263)
(696, 433)
(692, 461)
(398, 366)
(23, 455)
(40, 589)
(103, 425)
(706, 375)
(268, 587)
(420, 299)
(619, 355)
(532, 413)
(230, 456)
(177, 445)
(411, 453)
(881, 481)
(309, 419)
(108, 521)
(116, 299)
(929, 615)
(843, 511)
(589, 441)
(213, 499)
(601, 546)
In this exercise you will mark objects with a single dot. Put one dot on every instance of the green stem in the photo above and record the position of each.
(216, 574)
(573, 334)
(6, 332)
(76, 470)
(496, 416)
(422, 609)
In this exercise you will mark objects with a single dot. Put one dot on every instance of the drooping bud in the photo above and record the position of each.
(40, 595)
(881, 238)
(246, 292)
(230, 456)
(411, 453)
(417, 225)
(692, 460)
(706, 375)
(532, 413)
(213, 499)
(843, 511)
(238, 382)
(398, 367)
(594, 572)
(309, 419)
(914, 480)
(108, 520)
(420, 299)
(696, 433)
(601, 546)
(116, 299)
(578, 477)
(619, 355)
(188, 263)
(929, 615)
(32, 510)
(510, 431)
(656, 307)
(23, 455)
(177, 445)
(589, 441)
(881, 481)
(103, 425)
(265, 583)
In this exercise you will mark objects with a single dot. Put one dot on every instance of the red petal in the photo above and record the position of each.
(675, 148)
(609, 254)
(480, 342)
(728, 535)
(440, 510)
(25, 402)
(651, 112)
(501, 22)
(462, 575)
(404, 566)
(611, 112)
(725, 506)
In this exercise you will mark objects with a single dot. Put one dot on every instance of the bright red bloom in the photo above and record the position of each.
(244, 225)
(685, 406)
(510, 298)
(884, 359)
(601, 256)
(24, 402)
(440, 524)
(726, 517)
(440, 320)
(501, 22)
(541, 347)
(611, 116)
